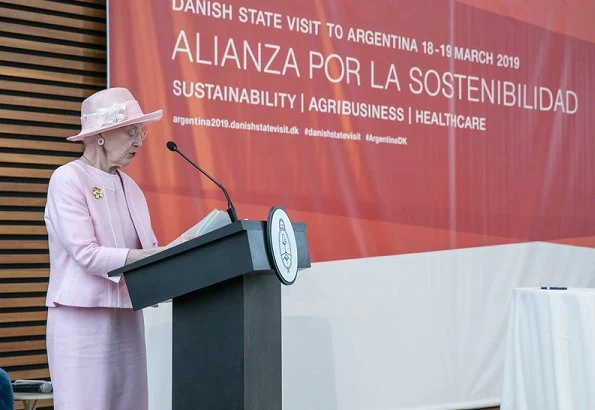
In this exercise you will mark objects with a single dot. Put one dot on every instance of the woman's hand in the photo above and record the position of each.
(137, 254)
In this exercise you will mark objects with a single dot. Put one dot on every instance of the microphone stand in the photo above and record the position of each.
(231, 210)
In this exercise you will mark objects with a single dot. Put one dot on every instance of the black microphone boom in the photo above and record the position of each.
(231, 211)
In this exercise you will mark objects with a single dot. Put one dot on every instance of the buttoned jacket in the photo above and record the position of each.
(85, 235)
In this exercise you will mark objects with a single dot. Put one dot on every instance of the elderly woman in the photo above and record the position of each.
(98, 220)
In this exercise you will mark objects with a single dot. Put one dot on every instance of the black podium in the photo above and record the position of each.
(226, 315)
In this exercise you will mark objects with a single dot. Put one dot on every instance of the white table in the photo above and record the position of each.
(30, 399)
(550, 350)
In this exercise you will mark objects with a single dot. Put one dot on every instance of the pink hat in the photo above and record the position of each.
(110, 109)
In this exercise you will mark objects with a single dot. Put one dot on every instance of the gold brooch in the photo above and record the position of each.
(97, 193)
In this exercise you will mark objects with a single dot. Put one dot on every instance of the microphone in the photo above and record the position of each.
(32, 386)
(231, 211)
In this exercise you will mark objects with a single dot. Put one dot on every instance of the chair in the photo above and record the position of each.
(6, 396)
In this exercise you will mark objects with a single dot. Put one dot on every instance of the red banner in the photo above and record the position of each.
(388, 129)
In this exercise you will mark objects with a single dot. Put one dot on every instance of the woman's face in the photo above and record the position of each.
(122, 144)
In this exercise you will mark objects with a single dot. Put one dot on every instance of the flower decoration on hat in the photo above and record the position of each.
(111, 115)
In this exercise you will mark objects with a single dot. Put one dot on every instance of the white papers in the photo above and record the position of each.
(214, 220)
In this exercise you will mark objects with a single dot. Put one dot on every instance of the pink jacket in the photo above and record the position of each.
(85, 238)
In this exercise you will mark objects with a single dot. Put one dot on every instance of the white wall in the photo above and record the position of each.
(412, 331)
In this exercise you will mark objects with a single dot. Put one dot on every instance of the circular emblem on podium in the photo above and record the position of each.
(282, 245)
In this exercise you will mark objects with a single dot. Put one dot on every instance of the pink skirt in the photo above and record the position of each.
(97, 358)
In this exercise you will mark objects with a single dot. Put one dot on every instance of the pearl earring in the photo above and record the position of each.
(100, 141)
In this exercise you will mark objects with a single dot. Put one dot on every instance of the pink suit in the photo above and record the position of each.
(95, 341)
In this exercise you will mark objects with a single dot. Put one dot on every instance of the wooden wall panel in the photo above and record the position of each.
(52, 56)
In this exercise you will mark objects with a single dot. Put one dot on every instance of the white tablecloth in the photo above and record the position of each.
(550, 351)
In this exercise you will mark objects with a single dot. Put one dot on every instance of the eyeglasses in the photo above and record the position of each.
(135, 133)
